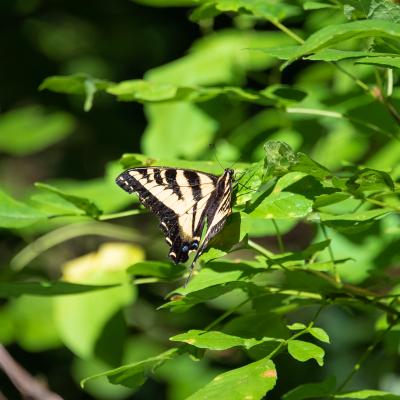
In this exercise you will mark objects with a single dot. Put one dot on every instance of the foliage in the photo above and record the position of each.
(299, 290)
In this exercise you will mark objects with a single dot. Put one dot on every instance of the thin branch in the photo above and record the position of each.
(364, 356)
(259, 249)
(60, 235)
(382, 99)
(389, 89)
(278, 236)
(122, 214)
(286, 30)
(331, 256)
(226, 314)
(27, 385)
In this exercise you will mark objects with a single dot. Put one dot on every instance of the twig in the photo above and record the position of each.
(28, 386)
(68, 232)
(278, 236)
(226, 314)
(382, 99)
(365, 355)
(331, 256)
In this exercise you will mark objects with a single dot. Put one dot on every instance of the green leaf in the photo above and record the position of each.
(272, 10)
(252, 381)
(297, 326)
(182, 303)
(82, 203)
(312, 390)
(283, 205)
(316, 5)
(319, 334)
(167, 3)
(13, 289)
(30, 322)
(371, 9)
(135, 375)
(385, 62)
(281, 52)
(217, 273)
(368, 394)
(338, 55)
(324, 200)
(163, 136)
(215, 340)
(154, 92)
(284, 95)
(85, 320)
(224, 51)
(158, 269)
(334, 34)
(353, 222)
(368, 179)
(14, 214)
(76, 84)
(280, 159)
(304, 351)
(31, 129)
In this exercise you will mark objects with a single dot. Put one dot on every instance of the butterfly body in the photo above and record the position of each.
(185, 201)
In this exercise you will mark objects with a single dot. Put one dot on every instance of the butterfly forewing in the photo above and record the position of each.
(184, 201)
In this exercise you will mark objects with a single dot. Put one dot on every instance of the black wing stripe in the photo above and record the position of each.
(170, 176)
(157, 177)
(194, 181)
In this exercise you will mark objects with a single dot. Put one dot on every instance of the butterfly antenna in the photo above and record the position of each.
(214, 151)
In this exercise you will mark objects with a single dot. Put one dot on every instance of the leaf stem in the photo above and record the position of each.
(278, 236)
(121, 214)
(57, 236)
(338, 115)
(382, 204)
(364, 356)
(389, 89)
(286, 30)
(331, 256)
(357, 81)
(259, 249)
(226, 314)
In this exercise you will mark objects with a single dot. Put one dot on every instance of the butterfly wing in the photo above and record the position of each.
(216, 212)
(179, 198)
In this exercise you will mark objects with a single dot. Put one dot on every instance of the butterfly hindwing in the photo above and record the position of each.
(184, 201)
(218, 210)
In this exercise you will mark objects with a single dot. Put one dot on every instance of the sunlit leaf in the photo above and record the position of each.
(158, 269)
(274, 10)
(304, 351)
(76, 84)
(135, 375)
(283, 205)
(368, 394)
(319, 334)
(333, 34)
(14, 214)
(338, 55)
(253, 381)
(85, 205)
(215, 340)
(83, 319)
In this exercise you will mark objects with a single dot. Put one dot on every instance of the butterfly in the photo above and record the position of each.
(186, 202)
